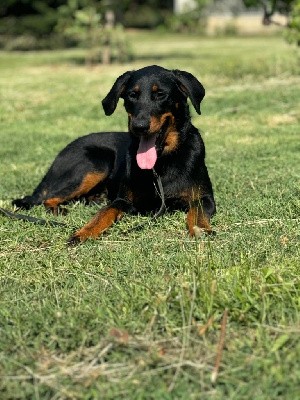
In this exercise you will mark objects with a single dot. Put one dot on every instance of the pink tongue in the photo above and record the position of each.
(146, 154)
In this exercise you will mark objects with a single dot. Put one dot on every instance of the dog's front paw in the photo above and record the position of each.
(199, 232)
(74, 240)
(81, 236)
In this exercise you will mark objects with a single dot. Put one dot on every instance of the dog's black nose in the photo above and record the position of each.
(139, 126)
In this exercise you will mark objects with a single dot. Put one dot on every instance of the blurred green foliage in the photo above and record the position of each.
(293, 33)
(51, 24)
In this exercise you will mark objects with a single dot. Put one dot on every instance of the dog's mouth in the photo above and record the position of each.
(150, 146)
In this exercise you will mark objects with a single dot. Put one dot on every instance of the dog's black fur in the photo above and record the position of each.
(161, 135)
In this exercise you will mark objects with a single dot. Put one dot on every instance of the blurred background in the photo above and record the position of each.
(104, 26)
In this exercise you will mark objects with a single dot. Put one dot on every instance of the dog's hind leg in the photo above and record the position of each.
(64, 190)
(89, 181)
(74, 173)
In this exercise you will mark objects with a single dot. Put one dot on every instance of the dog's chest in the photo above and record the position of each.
(148, 185)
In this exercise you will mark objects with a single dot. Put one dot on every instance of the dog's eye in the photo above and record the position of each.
(159, 95)
(133, 95)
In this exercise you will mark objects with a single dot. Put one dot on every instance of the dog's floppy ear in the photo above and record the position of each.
(191, 87)
(110, 102)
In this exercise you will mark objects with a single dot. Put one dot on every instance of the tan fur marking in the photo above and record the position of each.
(154, 88)
(155, 125)
(157, 122)
(53, 204)
(195, 215)
(196, 218)
(100, 223)
(171, 139)
(171, 142)
(89, 181)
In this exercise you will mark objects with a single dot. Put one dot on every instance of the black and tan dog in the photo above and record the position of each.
(161, 137)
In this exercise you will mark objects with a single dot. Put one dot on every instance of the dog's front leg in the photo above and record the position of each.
(197, 221)
(104, 219)
(201, 208)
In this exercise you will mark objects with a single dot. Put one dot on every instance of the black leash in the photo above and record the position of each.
(28, 218)
(160, 192)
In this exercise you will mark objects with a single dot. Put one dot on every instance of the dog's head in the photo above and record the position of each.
(155, 99)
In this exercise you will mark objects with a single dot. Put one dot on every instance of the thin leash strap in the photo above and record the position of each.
(28, 218)
(160, 192)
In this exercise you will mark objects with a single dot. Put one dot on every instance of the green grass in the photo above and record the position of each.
(124, 316)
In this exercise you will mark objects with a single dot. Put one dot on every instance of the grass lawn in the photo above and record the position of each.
(137, 315)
